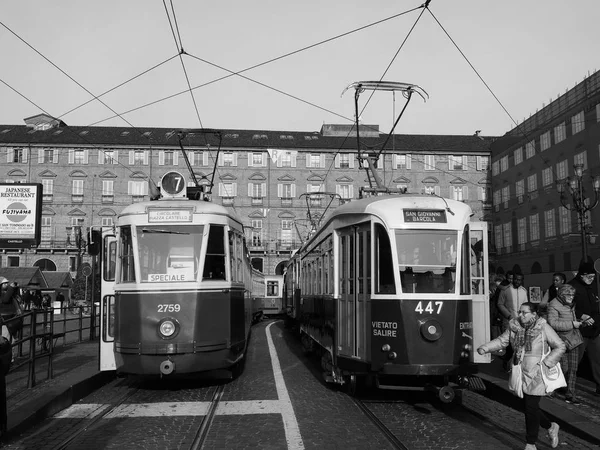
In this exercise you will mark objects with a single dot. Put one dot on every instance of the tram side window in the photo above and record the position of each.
(127, 256)
(384, 269)
(214, 265)
(110, 263)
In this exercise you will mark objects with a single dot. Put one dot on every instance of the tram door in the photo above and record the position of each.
(480, 288)
(107, 302)
(355, 285)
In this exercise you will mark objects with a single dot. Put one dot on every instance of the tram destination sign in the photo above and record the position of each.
(169, 215)
(20, 215)
(425, 215)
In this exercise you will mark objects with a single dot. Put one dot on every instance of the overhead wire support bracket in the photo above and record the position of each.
(368, 159)
(182, 134)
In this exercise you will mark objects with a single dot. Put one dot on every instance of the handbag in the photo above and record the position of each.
(515, 381)
(572, 338)
(553, 377)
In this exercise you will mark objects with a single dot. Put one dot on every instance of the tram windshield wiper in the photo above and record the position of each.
(154, 230)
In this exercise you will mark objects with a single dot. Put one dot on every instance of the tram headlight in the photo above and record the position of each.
(431, 329)
(386, 348)
(167, 328)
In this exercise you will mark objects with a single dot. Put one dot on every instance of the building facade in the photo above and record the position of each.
(534, 230)
(90, 173)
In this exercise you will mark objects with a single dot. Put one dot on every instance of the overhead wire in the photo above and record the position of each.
(263, 63)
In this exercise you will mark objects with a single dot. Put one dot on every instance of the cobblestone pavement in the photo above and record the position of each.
(166, 414)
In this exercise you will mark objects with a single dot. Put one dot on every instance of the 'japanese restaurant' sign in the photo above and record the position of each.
(20, 215)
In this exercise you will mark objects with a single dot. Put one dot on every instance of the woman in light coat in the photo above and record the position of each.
(530, 336)
(561, 317)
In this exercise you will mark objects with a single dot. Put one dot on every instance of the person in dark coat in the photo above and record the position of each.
(587, 311)
(7, 308)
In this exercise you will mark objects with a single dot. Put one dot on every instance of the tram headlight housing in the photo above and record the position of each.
(431, 329)
(168, 328)
(386, 348)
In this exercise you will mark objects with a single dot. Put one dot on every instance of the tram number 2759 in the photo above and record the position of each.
(170, 307)
(430, 308)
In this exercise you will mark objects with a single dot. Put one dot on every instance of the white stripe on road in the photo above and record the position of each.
(290, 424)
(163, 409)
(282, 406)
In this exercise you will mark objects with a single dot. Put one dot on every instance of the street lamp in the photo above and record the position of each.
(579, 202)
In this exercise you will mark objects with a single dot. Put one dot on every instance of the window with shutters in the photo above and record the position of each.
(521, 233)
(547, 177)
(228, 159)
(560, 133)
(518, 155)
(256, 192)
(137, 190)
(79, 156)
(532, 186)
(77, 191)
(18, 155)
(109, 157)
(504, 163)
(108, 193)
(139, 157)
(534, 227)
(562, 170)
(49, 155)
(545, 141)
(46, 228)
(520, 191)
(168, 158)
(256, 160)
(577, 123)
(456, 162)
(285, 159)
(530, 149)
(47, 190)
(564, 220)
(580, 158)
(344, 159)
(107, 221)
(550, 224)
(483, 163)
(429, 162)
(313, 160)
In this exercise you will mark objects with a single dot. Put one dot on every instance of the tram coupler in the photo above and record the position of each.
(167, 367)
(445, 393)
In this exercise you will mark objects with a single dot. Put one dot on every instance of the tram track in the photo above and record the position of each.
(95, 421)
(391, 437)
(202, 433)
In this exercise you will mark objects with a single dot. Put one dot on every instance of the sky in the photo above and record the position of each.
(56, 56)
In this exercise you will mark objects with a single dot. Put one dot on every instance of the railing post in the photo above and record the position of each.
(51, 346)
(80, 323)
(32, 336)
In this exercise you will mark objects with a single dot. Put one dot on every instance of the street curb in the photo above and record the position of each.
(70, 395)
(496, 391)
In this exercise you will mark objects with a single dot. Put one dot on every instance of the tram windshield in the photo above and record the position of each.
(427, 260)
(169, 253)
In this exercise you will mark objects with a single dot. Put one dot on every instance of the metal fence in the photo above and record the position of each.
(45, 329)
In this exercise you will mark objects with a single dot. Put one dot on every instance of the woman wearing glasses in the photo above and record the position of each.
(561, 317)
(586, 309)
(530, 336)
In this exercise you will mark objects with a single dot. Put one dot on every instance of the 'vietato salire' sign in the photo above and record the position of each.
(20, 215)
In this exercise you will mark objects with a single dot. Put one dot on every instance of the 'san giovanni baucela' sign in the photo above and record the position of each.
(425, 215)
(20, 215)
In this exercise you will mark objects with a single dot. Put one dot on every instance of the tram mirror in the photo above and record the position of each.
(94, 241)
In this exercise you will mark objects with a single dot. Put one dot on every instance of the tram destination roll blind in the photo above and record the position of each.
(425, 215)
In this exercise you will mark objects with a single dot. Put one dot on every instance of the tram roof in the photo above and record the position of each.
(391, 208)
(200, 207)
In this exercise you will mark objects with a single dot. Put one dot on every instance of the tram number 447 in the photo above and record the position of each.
(430, 308)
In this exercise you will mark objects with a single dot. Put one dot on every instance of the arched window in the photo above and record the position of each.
(45, 265)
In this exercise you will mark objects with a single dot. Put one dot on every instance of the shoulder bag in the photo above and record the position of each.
(515, 381)
(553, 377)
(572, 338)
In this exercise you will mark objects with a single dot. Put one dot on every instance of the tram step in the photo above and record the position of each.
(476, 384)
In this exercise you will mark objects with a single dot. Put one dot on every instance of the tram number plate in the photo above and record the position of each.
(169, 307)
(430, 308)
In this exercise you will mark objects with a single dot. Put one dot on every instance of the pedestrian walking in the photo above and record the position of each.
(558, 279)
(495, 316)
(588, 312)
(529, 336)
(512, 298)
(562, 318)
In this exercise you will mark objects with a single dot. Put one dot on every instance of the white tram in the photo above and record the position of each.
(176, 286)
(393, 290)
